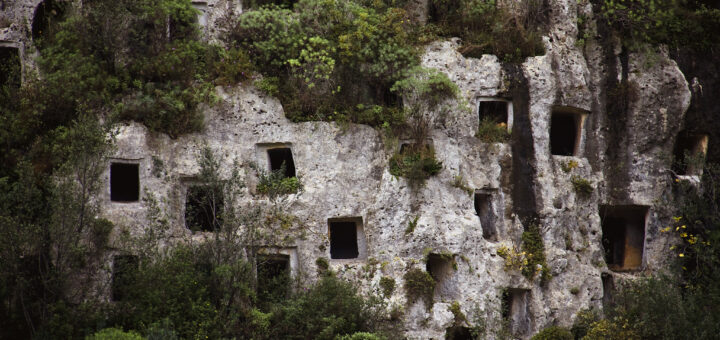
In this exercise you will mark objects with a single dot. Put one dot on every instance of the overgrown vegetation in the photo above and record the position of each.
(534, 249)
(415, 163)
(510, 30)
(582, 186)
(274, 183)
(490, 131)
(668, 22)
(419, 285)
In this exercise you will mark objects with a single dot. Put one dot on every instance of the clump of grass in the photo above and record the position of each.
(387, 284)
(419, 285)
(582, 186)
(569, 166)
(490, 131)
(415, 164)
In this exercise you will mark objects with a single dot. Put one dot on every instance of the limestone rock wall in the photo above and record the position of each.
(344, 170)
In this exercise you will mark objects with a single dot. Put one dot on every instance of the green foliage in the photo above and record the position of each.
(415, 164)
(412, 224)
(360, 336)
(275, 183)
(510, 32)
(388, 285)
(329, 309)
(458, 317)
(582, 186)
(333, 60)
(583, 322)
(569, 166)
(534, 249)
(490, 131)
(662, 22)
(553, 333)
(419, 285)
(114, 334)
(322, 264)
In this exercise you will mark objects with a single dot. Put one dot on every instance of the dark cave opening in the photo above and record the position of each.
(124, 182)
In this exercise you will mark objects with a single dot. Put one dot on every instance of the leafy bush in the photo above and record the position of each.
(415, 164)
(512, 32)
(335, 60)
(553, 333)
(534, 249)
(582, 186)
(419, 285)
(114, 334)
(490, 131)
(388, 285)
(275, 183)
(583, 321)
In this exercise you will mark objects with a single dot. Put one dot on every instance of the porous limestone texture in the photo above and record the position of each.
(344, 171)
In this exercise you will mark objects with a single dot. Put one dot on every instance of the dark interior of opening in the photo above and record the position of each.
(124, 182)
(496, 110)
(47, 14)
(608, 288)
(623, 237)
(203, 208)
(438, 266)
(687, 147)
(343, 240)
(124, 269)
(458, 333)
(515, 310)
(483, 208)
(282, 157)
(10, 67)
(273, 277)
(563, 134)
(255, 4)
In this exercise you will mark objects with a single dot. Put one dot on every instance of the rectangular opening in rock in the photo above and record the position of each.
(47, 15)
(124, 182)
(346, 238)
(458, 333)
(273, 277)
(440, 268)
(690, 150)
(608, 289)
(484, 210)
(10, 67)
(281, 158)
(202, 8)
(566, 130)
(124, 270)
(515, 310)
(623, 237)
(495, 110)
(203, 207)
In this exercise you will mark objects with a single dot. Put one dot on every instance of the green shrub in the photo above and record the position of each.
(583, 321)
(387, 284)
(510, 32)
(582, 186)
(553, 333)
(534, 249)
(275, 183)
(490, 131)
(415, 164)
(419, 285)
(360, 336)
(114, 334)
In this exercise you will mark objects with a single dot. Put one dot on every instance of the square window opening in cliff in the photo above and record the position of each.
(124, 271)
(347, 238)
(202, 8)
(623, 236)
(690, 151)
(204, 207)
(124, 182)
(441, 268)
(458, 333)
(566, 130)
(10, 67)
(485, 212)
(273, 277)
(496, 110)
(515, 310)
(608, 284)
(281, 159)
(47, 15)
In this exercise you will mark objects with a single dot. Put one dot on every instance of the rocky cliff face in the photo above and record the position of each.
(567, 96)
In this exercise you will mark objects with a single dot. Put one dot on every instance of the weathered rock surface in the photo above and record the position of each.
(344, 171)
